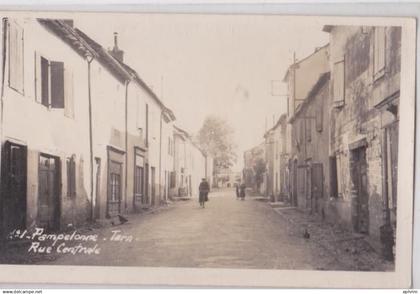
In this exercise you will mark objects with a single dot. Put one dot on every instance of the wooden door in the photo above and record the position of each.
(114, 188)
(14, 187)
(294, 184)
(48, 198)
(317, 176)
(301, 185)
(153, 175)
(145, 199)
(361, 205)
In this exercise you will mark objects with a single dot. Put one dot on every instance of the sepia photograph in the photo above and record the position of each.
(205, 141)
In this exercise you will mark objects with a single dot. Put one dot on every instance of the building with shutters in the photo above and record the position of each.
(301, 77)
(365, 67)
(44, 133)
(130, 128)
(150, 136)
(310, 126)
(91, 140)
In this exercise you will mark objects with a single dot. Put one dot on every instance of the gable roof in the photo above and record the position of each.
(84, 45)
(106, 59)
(296, 64)
(68, 35)
(182, 132)
(282, 119)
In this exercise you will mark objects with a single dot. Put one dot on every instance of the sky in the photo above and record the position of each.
(222, 65)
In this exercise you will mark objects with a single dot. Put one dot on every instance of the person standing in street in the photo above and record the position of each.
(237, 190)
(204, 190)
(242, 191)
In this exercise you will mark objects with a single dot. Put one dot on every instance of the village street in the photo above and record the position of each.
(228, 233)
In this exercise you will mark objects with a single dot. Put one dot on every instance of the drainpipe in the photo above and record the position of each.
(160, 155)
(126, 143)
(89, 61)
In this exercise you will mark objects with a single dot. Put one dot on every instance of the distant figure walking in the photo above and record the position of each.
(237, 190)
(242, 192)
(204, 190)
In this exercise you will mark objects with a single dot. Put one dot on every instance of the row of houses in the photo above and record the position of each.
(334, 153)
(83, 137)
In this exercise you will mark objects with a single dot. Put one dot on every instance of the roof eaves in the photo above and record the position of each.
(327, 28)
(106, 59)
(68, 35)
(142, 84)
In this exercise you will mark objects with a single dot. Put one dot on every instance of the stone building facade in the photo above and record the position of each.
(364, 99)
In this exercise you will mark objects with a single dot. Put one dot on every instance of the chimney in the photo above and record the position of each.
(115, 41)
(116, 52)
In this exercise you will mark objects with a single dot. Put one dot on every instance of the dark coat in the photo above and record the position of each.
(204, 190)
(243, 187)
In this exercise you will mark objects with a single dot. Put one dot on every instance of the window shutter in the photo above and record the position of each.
(302, 132)
(379, 52)
(308, 125)
(45, 89)
(68, 93)
(319, 119)
(16, 64)
(57, 84)
(338, 83)
(37, 73)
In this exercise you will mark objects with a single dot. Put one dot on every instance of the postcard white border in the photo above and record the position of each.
(401, 278)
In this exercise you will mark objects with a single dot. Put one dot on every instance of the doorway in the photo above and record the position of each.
(294, 183)
(153, 183)
(360, 200)
(14, 187)
(114, 188)
(49, 191)
(317, 180)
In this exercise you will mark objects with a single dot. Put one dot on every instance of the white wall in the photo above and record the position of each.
(48, 130)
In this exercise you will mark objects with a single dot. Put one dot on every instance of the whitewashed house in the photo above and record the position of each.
(44, 138)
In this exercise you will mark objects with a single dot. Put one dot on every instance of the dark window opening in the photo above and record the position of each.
(333, 177)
